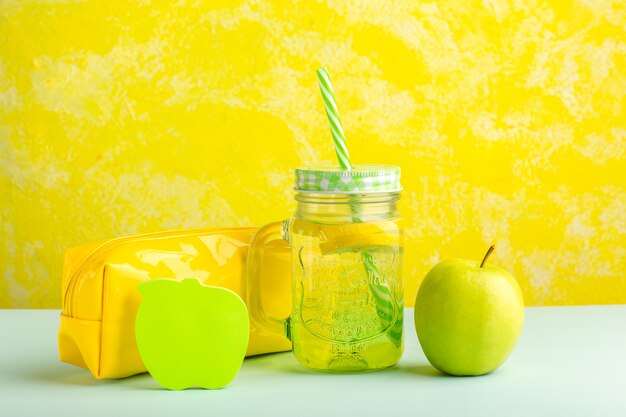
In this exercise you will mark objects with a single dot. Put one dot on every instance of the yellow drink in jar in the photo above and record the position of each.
(346, 317)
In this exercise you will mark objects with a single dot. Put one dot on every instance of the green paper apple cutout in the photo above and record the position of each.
(468, 317)
(191, 335)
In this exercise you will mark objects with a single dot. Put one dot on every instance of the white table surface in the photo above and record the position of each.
(569, 361)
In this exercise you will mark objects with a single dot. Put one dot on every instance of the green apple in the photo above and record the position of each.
(468, 316)
(190, 334)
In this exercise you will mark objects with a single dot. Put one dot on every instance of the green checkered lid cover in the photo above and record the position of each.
(361, 179)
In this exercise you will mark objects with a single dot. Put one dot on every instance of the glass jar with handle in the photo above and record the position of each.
(347, 291)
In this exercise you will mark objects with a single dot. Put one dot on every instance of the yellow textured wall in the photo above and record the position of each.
(508, 119)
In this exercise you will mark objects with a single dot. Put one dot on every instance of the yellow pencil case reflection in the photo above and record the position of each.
(100, 297)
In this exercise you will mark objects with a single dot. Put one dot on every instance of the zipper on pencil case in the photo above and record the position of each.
(68, 298)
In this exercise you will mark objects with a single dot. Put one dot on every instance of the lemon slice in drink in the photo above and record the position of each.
(373, 243)
(352, 237)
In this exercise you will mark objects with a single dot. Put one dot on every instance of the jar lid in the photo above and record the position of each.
(361, 179)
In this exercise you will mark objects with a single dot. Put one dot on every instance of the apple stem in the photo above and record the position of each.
(491, 248)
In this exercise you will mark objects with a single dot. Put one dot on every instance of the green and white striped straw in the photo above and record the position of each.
(333, 118)
(381, 292)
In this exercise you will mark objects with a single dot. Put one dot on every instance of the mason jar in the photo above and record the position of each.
(347, 291)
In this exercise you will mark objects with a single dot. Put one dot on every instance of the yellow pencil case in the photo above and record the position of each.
(100, 297)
